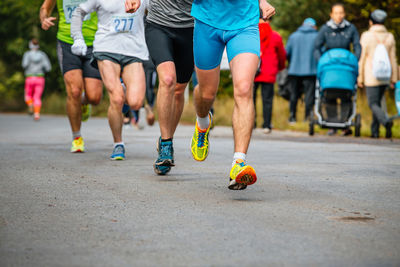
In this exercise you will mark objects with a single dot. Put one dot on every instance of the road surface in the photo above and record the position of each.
(319, 201)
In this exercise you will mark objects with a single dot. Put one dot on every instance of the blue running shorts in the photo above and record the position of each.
(209, 44)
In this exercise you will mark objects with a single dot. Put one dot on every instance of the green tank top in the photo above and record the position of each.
(65, 10)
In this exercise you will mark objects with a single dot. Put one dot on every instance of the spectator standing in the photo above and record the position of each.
(376, 86)
(337, 33)
(273, 57)
(302, 66)
(35, 64)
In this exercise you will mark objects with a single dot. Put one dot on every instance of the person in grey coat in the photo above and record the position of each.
(302, 66)
(35, 64)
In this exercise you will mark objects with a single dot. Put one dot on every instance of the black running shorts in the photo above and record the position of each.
(171, 44)
(68, 61)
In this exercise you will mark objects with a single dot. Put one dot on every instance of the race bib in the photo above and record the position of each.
(69, 7)
(123, 23)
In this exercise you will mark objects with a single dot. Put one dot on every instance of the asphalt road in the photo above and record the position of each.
(319, 201)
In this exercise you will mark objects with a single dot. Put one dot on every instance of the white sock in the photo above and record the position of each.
(76, 134)
(238, 155)
(119, 143)
(203, 123)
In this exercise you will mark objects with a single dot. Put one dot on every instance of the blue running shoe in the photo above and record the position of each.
(118, 153)
(165, 158)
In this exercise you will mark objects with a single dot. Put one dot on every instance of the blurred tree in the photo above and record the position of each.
(19, 23)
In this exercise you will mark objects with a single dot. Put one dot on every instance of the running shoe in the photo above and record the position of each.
(118, 153)
(78, 145)
(241, 176)
(199, 144)
(165, 158)
(86, 111)
(36, 116)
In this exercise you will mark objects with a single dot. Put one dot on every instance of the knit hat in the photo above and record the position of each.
(378, 16)
(310, 22)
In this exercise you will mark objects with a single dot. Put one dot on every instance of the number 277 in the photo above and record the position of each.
(122, 25)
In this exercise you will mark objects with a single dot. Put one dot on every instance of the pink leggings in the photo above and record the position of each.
(34, 87)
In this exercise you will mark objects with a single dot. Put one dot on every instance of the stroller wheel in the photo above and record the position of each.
(357, 125)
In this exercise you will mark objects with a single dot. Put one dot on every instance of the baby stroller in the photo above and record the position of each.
(336, 92)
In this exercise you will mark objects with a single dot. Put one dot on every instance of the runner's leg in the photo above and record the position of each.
(243, 68)
(74, 85)
(134, 79)
(110, 73)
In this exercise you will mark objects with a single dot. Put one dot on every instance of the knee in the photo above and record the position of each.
(94, 100)
(136, 104)
(117, 100)
(243, 90)
(168, 81)
(75, 93)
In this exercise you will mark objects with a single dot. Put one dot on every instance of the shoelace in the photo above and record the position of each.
(201, 139)
(119, 150)
(166, 150)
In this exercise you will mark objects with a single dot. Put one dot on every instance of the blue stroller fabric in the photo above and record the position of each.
(337, 69)
(397, 97)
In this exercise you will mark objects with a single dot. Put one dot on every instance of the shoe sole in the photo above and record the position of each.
(118, 158)
(247, 176)
(235, 186)
(159, 172)
(77, 151)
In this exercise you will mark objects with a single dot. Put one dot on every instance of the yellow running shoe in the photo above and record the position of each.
(199, 144)
(241, 176)
(86, 111)
(78, 145)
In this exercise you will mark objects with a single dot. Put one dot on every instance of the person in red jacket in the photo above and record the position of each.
(273, 57)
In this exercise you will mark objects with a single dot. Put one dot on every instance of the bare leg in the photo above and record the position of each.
(206, 91)
(179, 103)
(74, 85)
(165, 98)
(243, 68)
(134, 79)
(110, 73)
(93, 91)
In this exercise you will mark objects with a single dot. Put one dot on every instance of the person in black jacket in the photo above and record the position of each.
(337, 33)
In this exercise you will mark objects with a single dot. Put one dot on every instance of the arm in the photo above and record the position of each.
(361, 63)
(46, 63)
(289, 48)
(267, 10)
(25, 60)
(132, 5)
(319, 42)
(45, 12)
(281, 54)
(79, 47)
(356, 42)
(393, 60)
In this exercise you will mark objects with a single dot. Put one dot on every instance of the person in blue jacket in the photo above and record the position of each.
(302, 66)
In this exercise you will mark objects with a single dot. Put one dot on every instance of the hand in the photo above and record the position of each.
(79, 47)
(392, 86)
(132, 5)
(267, 10)
(47, 23)
(360, 85)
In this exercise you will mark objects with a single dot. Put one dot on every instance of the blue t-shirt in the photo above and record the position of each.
(227, 14)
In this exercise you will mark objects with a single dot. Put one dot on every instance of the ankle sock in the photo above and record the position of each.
(166, 140)
(76, 135)
(203, 123)
(119, 143)
(238, 155)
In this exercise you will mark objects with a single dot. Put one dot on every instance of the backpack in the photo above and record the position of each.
(381, 67)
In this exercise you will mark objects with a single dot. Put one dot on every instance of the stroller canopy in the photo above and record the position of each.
(337, 69)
